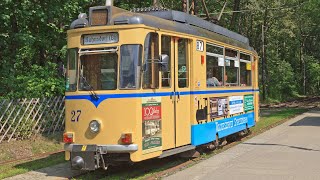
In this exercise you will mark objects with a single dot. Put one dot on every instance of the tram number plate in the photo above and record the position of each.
(105, 38)
(75, 115)
(200, 45)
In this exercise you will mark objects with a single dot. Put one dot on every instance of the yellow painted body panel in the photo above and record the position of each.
(124, 115)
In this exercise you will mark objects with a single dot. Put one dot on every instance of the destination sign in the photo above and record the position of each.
(106, 38)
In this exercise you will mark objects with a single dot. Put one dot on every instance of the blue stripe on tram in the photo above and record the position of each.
(103, 97)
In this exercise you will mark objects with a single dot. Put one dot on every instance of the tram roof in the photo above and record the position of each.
(174, 21)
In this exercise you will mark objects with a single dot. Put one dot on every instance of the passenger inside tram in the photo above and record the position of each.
(212, 81)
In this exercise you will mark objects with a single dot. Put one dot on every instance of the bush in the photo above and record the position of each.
(282, 81)
(38, 81)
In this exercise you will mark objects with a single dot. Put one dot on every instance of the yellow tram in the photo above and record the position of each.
(152, 83)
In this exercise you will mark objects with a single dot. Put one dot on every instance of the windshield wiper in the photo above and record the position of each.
(92, 93)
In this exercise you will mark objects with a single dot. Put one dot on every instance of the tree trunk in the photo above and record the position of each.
(192, 8)
(155, 3)
(184, 6)
(264, 59)
(15, 30)
(235, 15)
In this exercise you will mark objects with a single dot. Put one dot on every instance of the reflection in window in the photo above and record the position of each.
(245, 73)
(214, 49)
(215, 65)
(232, 68)
(245, 70)
(166, 49)
(130, 66)
(231, 53)
(71, 83)
(245, 57)
(99, 71)
(151, 58)
(214, 71)
(182, 63)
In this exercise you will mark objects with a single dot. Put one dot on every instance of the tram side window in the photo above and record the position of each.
(214, 66)
(245, 70)
(183, 63)
(130, 66)
(232, 67)
(71, 83)
(151, 58)
(166, 49)
(99, 71)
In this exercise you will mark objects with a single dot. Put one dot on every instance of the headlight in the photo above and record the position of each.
(94, 126)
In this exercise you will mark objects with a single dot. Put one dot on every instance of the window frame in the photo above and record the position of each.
(187, 62)
(218, 56)
(171, 59)
(226, 84)
(246, 61)
(119, 68)
(77, 69)
(144, 60)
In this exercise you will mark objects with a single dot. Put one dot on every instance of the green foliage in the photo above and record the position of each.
(33, 40)
(282, 80)
(33, 35)
(313, 75)
(38, 81)
(291, 41)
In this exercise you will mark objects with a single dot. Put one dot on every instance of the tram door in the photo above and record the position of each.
(182, 89)
(175, 112)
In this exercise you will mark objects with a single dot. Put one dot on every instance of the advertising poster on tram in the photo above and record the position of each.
(235, 104)
(151, 124)
(218, 107)
(248, 103)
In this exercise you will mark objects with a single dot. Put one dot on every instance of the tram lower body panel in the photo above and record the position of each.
(90, 151)
(207, 132)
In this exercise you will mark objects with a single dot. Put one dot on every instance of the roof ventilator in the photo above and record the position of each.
(81, 22)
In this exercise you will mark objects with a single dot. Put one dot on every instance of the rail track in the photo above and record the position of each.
(157, 168)
(154, 168)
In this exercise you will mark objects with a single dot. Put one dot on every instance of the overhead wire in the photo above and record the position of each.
(254, 10)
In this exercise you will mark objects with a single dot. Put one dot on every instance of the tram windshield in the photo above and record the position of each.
(98, 71)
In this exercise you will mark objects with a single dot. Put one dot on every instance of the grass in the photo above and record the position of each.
(23, 155)
(276, 117)
(9, 170)
(21, 149)
(149, 168)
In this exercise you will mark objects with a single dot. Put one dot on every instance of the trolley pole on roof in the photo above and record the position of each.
(205, 9)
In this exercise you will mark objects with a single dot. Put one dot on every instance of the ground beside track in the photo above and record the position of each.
(289, 151)
(153, 168)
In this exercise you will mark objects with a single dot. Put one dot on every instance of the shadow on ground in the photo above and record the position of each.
(53, 160)
(307, 121)
(294, 147)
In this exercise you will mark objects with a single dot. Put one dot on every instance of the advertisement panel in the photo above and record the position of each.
(248, 103)
(151, 124)
(218, 107)
(235, 104)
